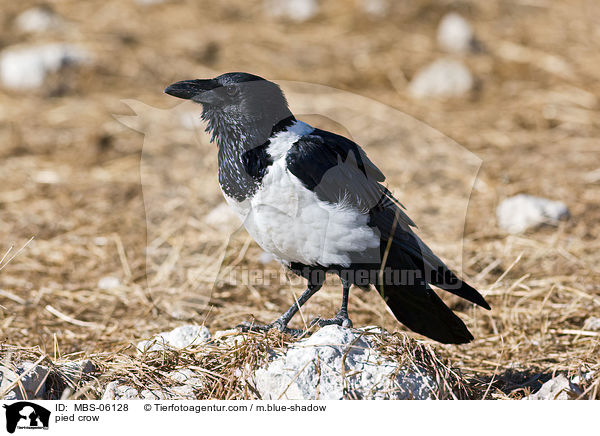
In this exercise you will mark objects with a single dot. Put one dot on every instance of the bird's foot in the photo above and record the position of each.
(247, 326)
(340, 319)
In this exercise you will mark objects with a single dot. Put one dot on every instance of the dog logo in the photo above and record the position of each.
(26, 415)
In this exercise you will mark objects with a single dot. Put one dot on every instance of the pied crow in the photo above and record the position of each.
(315, 201)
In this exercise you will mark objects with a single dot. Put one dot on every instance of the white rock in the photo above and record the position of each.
(558, 388)
(480, 185)
(232, 338)
(583, 377)
(455, 34)
(592, 323)
(186, 376)
(265, 257)
(223, 218)
(592, 176)
(34, 383)
(375, 8)
(222, 334)
(46, 177)
(442, 78)
(181, 337)
(312, 368)
(168, 393)
(296, 10)
(149, 2)
(521, 212)
(38, 19)
(185, 392)
(117, 391)
(100, 241)
(191, 381)
(109, 282)
(27, 67)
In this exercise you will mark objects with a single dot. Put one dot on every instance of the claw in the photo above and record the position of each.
(253, 327)
(340, 319)
(247, 326)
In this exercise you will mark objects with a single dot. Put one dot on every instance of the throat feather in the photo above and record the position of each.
(243, 152)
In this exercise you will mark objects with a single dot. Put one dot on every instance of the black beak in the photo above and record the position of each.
(191, 89)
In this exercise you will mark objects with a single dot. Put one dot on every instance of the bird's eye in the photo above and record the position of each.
(230, 90)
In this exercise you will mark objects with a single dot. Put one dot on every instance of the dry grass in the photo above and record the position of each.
(533, 121)
(225, 366)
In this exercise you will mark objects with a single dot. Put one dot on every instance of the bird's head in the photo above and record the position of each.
(240, 108)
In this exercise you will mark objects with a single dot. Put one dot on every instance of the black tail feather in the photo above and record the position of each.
(422, 311)
(409, 252)
(464, 290)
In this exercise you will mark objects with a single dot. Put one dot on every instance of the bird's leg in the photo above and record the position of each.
(341, 318)
(282, 322)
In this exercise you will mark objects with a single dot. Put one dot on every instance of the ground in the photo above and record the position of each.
(102, 199)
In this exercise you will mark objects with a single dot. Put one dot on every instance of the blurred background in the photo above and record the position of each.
(514, 82)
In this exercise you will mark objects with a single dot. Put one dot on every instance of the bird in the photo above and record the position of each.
(315, 202)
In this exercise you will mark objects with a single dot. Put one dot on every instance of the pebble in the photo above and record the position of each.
(443, 78)
(38, 20)
(455, 34)
(27, 67)
(522, 212)
(109, 282)
(296, 10)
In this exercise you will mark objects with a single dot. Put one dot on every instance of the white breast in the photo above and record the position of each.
(290, 222)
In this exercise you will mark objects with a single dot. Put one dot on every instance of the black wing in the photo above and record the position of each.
(339, 171)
